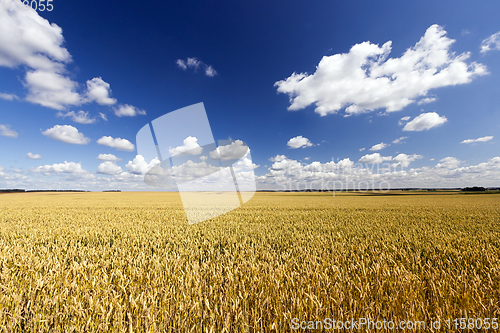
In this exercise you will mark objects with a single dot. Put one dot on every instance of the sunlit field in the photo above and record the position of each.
(124, 262)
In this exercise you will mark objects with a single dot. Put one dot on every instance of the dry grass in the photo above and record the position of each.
(125, 262)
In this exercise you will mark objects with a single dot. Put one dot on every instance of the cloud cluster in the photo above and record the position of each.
(364, 79)
(299, 142)
(118, 143)
(196, 64)
(67, 134)
(66, 167)
(288, 174)
(30, 41)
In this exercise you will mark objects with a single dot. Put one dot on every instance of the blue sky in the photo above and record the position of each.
(317, 89)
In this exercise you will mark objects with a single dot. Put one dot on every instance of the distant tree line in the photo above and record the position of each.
(474, 189)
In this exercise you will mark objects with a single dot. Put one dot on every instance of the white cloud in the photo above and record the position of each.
(109, 168)
(483, 139)
(277, 158)
(99, 91)
(181, 64)
(139, 166)
(66, 167)
(66, 133)
(299, 142)
(290, 174)
(210, 71)
(195, 64)
(425, 121)
(125, 110)
(108, 157)
(29, 40)
(6, 131)
(51, 89)
(379, 146)
(405, 160)
(8, 97)
(118, 143)
(364, 79)
(426, 100)
(33, 156)
(491, 43)
(401, 139)
(103, 116)
(374, 158)
(80, 117)
(233, 151)
(361, 149)
(190, 147)
(448, 163)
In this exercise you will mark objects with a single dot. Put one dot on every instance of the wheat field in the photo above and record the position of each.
(129, 262)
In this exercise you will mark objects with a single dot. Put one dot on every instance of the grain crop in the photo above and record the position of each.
(129, 262)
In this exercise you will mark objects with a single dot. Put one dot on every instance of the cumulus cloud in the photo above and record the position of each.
(277, 158)
(33, 43)
(425, 121)
(292, 175)
(67, 134)
(66, 167)
(448, 163)
(233, 151)
(405, 160)
(299, 142)
(109, 168)
(364, 79)
(99, 91)
(108, 157)
(491, 43)
(80, 117)
(190, 147)
(29, 40)
(195, 64)
(51, 89)
(483, 139)
(6, 131)
(401, 139)
(125, 110)
(118, 143)
(8, 97)
(379, 146)
(139, 165)
(374, 158)
(33, 156)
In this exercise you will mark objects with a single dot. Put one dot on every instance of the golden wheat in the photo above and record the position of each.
(129, 262)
